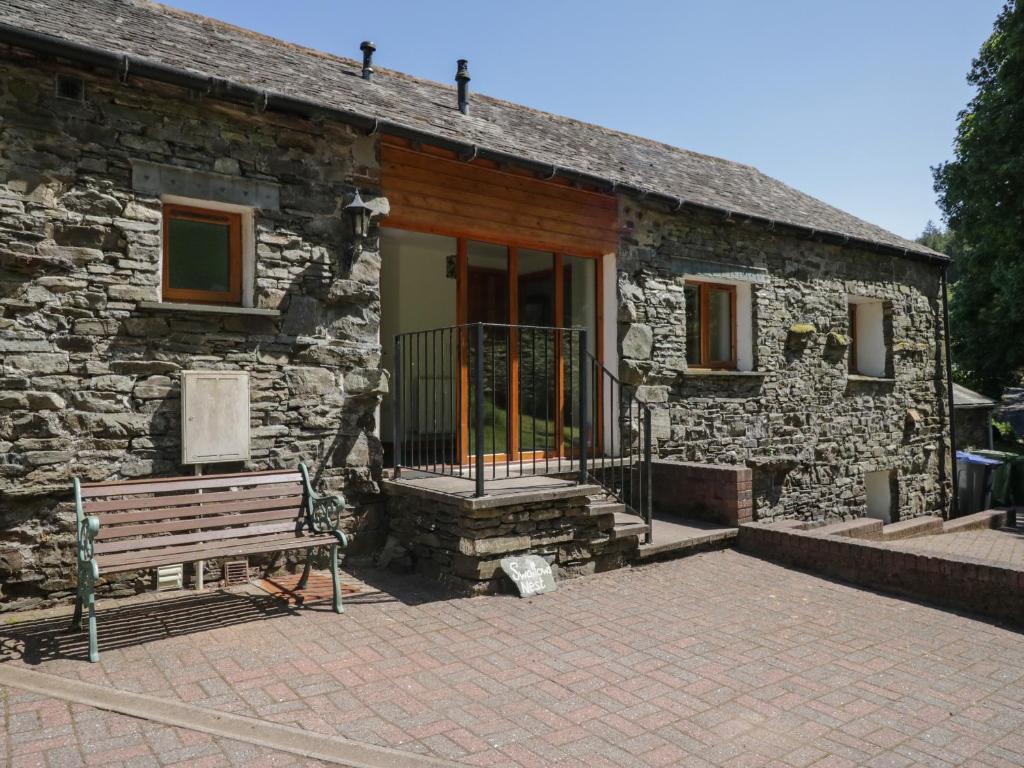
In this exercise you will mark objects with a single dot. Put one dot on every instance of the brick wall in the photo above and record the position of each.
(988, 590)
(718, 493)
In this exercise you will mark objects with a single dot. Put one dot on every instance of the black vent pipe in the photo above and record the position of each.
(462, 78)
(367, 48)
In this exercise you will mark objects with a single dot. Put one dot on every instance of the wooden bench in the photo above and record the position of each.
(136, 525)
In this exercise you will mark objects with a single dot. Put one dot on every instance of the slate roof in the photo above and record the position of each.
(968, 398)
(213, 48)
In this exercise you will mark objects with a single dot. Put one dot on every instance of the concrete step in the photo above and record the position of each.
(627, 525)
(670, 550)
(859, 528)
(927, 525)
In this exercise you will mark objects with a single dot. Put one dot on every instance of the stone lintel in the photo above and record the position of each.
(157, 179)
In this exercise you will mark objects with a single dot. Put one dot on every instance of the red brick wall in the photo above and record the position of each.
(988, 590)
(719, 493)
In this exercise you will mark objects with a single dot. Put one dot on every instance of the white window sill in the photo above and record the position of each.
(208, 309)
(870, 379)
(724, 372)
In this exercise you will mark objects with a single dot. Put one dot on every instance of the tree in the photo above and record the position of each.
(981, 194)
(944, 241)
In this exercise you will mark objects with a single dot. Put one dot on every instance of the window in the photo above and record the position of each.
(867, 355)
(710, 325)
(202, 255)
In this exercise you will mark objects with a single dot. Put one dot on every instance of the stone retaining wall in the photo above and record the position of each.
(460, 541)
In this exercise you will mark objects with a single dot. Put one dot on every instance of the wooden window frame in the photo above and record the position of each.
(704, 289)
(233, 220)
(852, 312)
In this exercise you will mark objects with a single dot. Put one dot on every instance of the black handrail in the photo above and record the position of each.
(457, 387)
(626, 444)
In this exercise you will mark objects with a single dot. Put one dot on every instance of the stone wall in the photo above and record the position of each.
(90, 378)
(460, 540)
(808, 430)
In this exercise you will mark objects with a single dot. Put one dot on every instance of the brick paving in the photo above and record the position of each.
(40, 732)
(1003, 547)
(717, 660)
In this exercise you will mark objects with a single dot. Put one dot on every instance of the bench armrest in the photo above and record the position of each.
(323, 513)
(87, 528)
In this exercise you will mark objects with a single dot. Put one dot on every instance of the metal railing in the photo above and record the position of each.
(485, 402)
(623, 442)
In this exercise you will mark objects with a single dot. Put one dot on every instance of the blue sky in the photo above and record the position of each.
(851, 102)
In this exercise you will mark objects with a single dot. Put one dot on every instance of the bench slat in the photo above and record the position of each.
(132, 561)
(169, 484)
(198, 524)
(116, 520)
(186, 499)
(152, 542)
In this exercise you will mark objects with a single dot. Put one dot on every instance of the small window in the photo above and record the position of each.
(71, 88)
(202, 255)
(710, 325)
(867, 355)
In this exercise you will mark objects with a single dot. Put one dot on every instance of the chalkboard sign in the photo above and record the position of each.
(530, 573)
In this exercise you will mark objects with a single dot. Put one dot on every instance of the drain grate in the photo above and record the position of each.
(236, 572)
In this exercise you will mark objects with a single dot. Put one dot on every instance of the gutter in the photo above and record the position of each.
(950, 405)
(130, 65)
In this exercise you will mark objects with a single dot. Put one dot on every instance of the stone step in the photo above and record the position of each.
(595, 508)
(627, 525)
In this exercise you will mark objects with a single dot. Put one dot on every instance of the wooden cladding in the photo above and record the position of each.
(430, 190)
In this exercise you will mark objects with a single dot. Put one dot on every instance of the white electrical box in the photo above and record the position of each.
(214, 416)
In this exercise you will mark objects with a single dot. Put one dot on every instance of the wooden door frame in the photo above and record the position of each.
(461, 319)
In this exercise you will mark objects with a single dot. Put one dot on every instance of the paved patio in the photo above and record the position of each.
(1004, 547)
(720, 659)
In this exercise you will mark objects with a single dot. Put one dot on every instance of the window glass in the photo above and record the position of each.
(693, 331)
(719, 325)
(199, 254)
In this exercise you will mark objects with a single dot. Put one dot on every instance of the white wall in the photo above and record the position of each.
(744, 328)
(879, 495)
(610, 292)
(870, 338)
(415, 295)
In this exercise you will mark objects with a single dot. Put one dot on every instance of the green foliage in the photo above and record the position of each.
(981, 193)
(1004, 430)
(944, 241)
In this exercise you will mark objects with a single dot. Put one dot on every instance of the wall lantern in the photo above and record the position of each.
(359, 215)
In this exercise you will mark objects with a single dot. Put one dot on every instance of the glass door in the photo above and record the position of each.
(487, 293)
(537, 355)
(531, 374)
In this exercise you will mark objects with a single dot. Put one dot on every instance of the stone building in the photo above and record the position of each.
(972, 418)
(175, 194)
